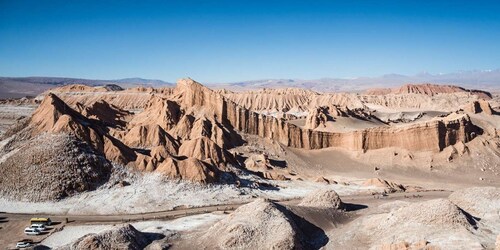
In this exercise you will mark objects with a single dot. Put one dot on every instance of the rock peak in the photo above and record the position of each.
(187, 82)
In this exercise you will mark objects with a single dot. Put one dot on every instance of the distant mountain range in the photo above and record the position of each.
(484, 80)
(14, 87)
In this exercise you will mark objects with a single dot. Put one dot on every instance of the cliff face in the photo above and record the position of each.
(429, 136)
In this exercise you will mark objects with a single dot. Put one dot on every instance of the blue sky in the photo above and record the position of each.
(223, 41)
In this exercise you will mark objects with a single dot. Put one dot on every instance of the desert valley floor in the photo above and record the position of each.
(189, 167)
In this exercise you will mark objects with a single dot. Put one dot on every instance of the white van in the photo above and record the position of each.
(31, 231)
(39, 227)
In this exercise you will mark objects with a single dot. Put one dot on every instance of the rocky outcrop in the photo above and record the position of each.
(479, 106)
(388, 186)
(190, 169)
(202, 148)
(258, 162)
(158, 111)
(317, 117)
(103, 112)
(149, 136)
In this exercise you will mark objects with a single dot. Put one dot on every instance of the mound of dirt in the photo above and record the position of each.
(439, 212)
(123, 237)
(478, 201)
(435, 221)
(257, 225)
(323, 198)
(50, 167)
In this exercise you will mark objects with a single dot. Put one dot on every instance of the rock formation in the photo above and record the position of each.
(317, 117)
(388, 186)
(480, 106)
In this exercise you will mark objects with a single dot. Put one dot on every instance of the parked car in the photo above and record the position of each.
(39, 227)
(24, 243)
(31, 231)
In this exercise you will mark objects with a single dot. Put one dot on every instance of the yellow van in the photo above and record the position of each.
(43, 221)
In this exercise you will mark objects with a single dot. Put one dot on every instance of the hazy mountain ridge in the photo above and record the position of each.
(476, 79)
(489, 80)
(14, 87)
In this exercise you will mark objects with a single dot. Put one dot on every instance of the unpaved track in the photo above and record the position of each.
(170, 214)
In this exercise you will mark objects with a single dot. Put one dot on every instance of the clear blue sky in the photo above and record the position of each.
(222, 41)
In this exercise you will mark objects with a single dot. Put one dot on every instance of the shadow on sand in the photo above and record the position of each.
(349, 207)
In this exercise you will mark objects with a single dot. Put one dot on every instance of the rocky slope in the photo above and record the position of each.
(51, 167)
